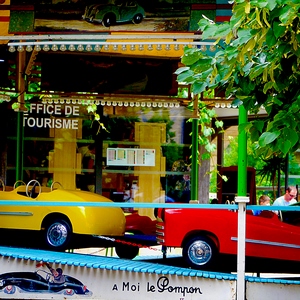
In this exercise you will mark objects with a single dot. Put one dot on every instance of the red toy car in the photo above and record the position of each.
(139, 232)
(137, 224)
(205, 233)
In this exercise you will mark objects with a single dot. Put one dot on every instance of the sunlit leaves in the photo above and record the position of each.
(219, 124)
(257, 63)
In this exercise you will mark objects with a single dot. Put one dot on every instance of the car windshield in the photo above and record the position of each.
(291, 217)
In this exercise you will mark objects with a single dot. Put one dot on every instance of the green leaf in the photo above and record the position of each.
(259, 125)
(210, 148)
(203, 64)
(199, 87)
(257, 70)
(244, 127)
(191, 57)
(224, 177)
(207, 131)
(216, 31)
(184, 75)
(219, 124)
(204, 22)
(205, 155)
(180, 70)
(244, 35)
(284, 146)
(270, 38)
(271, 4)
(287, 15)
(278, 29)
(211, 113)
(267, 138)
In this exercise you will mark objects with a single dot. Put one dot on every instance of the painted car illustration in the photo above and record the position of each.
(58, 223)
(203, 234)
(114, 11)
(40, 282)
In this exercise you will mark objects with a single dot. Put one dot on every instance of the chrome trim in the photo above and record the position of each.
(159, 240)
(159, 226)
(251, 241)
(25, 214)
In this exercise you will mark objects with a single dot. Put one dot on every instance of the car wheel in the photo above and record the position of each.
(109, 20)
(199, 252)
(10, 289)
(137, 19)
(58, 234)
(127, 251)
(69, 292)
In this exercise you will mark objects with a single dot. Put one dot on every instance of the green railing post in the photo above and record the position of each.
(242, 155)
(242, 200)
(195, 147)
(20, 146)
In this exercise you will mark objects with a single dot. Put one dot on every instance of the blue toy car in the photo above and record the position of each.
(114, 11)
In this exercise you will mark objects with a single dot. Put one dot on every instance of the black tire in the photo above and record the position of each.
(200, 252)
(109, 20)
(57, 235)
(137, 19)
(127, 251)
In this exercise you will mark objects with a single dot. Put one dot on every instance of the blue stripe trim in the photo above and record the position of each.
(115, 204)
(144, 205)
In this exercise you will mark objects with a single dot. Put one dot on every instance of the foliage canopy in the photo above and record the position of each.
(257, 64)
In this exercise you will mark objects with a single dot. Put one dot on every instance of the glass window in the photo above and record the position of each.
(140, 177)
(149, 150)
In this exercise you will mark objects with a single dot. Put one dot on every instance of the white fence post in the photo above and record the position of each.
(241, 251)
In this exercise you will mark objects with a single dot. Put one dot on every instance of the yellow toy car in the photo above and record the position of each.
(58, 223)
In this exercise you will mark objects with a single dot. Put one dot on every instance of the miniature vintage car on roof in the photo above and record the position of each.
(111, 12)
(204, 233)
(58, 222)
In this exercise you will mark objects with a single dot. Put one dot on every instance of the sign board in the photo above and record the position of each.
(29, 279)
(112, 16)
(130, 157)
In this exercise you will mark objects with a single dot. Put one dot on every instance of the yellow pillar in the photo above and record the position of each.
(64, 161)
(150, 136)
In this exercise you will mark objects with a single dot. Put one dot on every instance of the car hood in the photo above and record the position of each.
(69, 195)
(59, 195)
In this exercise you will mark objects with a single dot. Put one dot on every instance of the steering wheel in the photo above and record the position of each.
(17, 183)
(30, 193)
(54, 183)
(3, 185)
